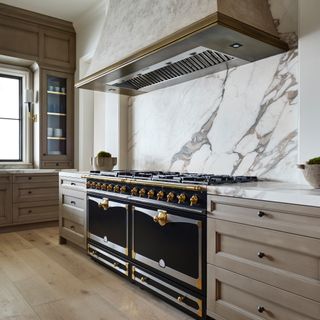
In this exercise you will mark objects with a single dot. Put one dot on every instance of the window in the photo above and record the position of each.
(11, 135)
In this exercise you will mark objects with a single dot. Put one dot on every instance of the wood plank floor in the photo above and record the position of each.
(40, 279)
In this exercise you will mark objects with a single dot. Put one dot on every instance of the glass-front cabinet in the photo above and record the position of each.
(57, 120)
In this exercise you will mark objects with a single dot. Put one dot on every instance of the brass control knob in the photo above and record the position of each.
(150, 194)
(142, 192)
(170, 197)
(160, 195)
(181, 198)
(116, 188)
(123, 189)
(98, 186)
(103, 186)
(161, 218)
(88, 184)
(109, 187)
(194, 200)
(93, 184)
(134, 191)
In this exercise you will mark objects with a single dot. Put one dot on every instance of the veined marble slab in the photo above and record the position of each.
(242, 121)
(270, 191)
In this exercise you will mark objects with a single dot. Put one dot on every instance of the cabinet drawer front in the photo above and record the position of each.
(56, 164)
(35, 178)
(4, 179)
(235, 297)
(278, 216)
(72, 226)
(35, 192)
(281, 259)
(72, 183)
(35, 212)
(72, 201)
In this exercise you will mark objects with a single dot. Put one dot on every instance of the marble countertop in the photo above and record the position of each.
(73, 173)
(26, 171)
(270, 191)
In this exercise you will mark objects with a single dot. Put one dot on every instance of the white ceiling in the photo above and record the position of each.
(64, 9)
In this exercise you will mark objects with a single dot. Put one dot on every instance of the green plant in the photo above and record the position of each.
(104, 154)
(314, 161)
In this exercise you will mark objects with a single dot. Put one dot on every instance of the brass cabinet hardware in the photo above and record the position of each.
(116, 188)
(134, 191)
(142, 192)
(181, 298)
(161, 218)
(123, 189)
(104, 204)
(109, 187)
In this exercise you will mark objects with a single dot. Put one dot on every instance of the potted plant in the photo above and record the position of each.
(311, 171)
(103, 161)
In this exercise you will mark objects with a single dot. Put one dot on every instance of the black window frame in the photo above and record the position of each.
(2, 75)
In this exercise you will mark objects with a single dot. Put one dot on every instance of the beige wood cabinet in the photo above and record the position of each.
(263, 260)
(33, 36)
(55, 148)
(28, 198)
(5, 200)
(73, 213)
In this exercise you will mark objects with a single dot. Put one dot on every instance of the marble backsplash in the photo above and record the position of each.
(239, 121)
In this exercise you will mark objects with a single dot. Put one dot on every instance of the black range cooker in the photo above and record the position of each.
(151, 227)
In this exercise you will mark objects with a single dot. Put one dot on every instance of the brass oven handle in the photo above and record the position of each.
(161, 218)
(104, 204)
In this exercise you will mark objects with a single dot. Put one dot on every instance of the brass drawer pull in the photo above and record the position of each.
(261, 309)
(161, 218)
(104, 204)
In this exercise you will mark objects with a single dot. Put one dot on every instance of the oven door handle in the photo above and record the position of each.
(161, 218)
(102, 203)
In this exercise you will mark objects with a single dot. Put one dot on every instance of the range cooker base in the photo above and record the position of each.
(173, 293)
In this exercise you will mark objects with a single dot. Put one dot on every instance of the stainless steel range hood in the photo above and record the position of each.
(239, 32)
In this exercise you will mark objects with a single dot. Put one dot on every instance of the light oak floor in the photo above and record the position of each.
(40, 279)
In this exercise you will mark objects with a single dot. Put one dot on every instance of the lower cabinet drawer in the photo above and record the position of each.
(35, 191)
(35, 212)
(235, 297)
(290, 262)
(73, 231)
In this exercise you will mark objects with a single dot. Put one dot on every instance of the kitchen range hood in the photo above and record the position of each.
(239, 32)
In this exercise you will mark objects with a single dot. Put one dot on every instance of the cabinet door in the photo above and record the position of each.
(5, 204)
(57, 120)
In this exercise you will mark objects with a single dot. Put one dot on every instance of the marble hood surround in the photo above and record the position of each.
(234, 33)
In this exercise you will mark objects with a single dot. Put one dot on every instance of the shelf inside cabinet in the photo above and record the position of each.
(56, 138)
(56, 114)
(57, 92)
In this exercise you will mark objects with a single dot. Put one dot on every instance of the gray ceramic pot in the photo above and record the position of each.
(103, 164)
(311, 173)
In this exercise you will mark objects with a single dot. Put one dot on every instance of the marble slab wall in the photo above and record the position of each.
(239, 121)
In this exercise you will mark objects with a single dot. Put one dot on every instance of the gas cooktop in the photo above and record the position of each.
(176, 177)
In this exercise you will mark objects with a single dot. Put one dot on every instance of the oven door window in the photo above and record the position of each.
(175, 247)
(108, 223)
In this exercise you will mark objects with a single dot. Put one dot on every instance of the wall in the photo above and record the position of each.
(240, 121)
(309, 48)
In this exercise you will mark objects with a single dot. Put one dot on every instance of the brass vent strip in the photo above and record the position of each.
(196, 62)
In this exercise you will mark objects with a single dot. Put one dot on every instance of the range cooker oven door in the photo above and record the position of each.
(108, 223)
(169, 243)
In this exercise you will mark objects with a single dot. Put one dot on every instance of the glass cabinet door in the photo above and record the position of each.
(56, 115)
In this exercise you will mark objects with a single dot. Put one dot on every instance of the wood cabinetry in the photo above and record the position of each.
(33, 36)
(263, 260)
(5, 200)
(56, 120)
(35, 198)
(72, 213)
